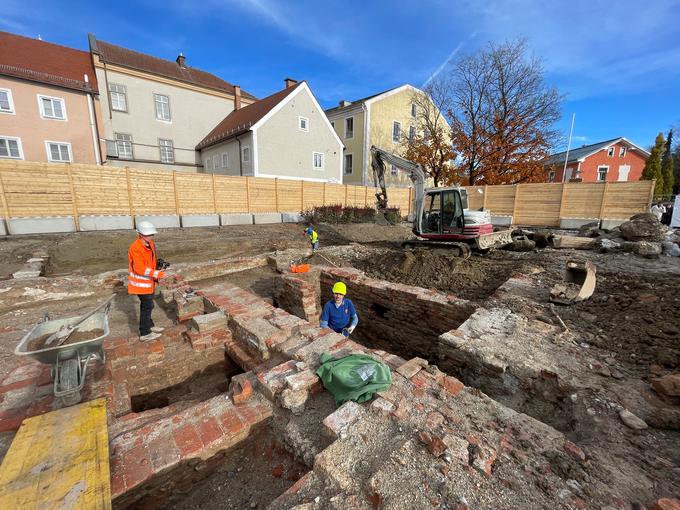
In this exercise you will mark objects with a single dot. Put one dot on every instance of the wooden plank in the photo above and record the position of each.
(580, 243)
(5, 205)
(59, 460)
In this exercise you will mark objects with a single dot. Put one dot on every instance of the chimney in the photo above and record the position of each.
(344, 103)
(180, 60)
(290, 82)
(237, 97)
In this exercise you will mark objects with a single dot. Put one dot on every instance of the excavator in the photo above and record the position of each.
(442, 216)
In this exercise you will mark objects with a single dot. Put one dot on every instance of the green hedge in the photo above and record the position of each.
(340, 214)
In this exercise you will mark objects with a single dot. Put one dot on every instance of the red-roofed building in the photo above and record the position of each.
(156, 111)
(49, 103)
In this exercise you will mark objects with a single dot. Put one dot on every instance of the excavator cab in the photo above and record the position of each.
(443, 212)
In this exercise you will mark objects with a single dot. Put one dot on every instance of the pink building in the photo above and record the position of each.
(49, 106)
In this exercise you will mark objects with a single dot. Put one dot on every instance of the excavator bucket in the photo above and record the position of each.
(578, 284)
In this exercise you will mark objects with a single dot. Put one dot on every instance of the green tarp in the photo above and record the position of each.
(355, 377)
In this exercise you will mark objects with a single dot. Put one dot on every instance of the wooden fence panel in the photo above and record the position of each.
(312, 194)
(399, 197)
(100, 190)
(538, 205)
(335, 194)
(290, 195)
(582, 200)
(194, 193)
(262, 194)
(501, 200)
(153, 192)
(37, 190)
(475, 196)
(624, 199)
(231, 194)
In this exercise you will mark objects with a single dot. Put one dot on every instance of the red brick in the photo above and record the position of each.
(420, 381)
(666, 504)
(11, 419)
(242, 390)
(209, 430)
(18, 384)
(117, 468)
(249, 415)
(137, 466)
(574, 451)
(231, 422)
(187, 440)
(452, 385)
(163, 453)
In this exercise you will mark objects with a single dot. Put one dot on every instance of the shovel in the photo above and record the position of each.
(65, 331)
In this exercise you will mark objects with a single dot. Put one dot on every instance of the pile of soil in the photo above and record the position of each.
(77, 336)
(474, 278)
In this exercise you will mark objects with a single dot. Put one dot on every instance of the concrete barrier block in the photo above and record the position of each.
(42, 225)
(611, 223)
(574, 223)
(116, 222)
(262, 218)
(3, 227)
(160, 220)
(200, 220)
(501, 221)
(236, 219)
(289, 217)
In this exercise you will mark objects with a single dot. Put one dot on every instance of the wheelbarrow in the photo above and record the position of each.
(69, 360)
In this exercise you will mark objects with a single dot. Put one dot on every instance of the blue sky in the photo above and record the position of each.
(618, 63)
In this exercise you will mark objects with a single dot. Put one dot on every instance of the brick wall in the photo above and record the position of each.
(299, 295)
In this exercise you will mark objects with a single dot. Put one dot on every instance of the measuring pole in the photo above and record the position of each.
(566, 157)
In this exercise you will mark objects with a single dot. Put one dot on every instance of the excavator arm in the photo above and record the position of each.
(380, 159)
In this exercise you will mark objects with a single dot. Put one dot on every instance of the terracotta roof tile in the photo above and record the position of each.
(239, 121)
(35, 60)
(112, 54)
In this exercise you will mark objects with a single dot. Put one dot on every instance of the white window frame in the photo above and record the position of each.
(622, 152)
(49, 152)
(322, 160)
(19, 147)
(351, 135)
(344, 164)
(155, 107)
(124, 94)
(610, 152)
(132, 148)
(225, 160)
(161, 147)
(43, 115)
(11, 110)
(300, 121)
(394, 170)
(605, 175)
(414, 110)
(216, 161)
(396, 123)
(244, 153)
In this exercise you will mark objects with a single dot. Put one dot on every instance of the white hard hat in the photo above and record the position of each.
(146, 228)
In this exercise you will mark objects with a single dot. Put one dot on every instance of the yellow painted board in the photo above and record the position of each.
(59, 460)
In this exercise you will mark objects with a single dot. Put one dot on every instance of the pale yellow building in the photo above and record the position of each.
(382, 120)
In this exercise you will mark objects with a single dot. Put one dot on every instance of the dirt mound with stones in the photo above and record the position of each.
(474, 278)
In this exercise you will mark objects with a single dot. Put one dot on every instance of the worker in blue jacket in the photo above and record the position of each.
(339, 313)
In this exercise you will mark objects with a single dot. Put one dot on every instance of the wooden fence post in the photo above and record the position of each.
(276, 193)
(486, 188)
(604, 199)
(248, 195)
(174, 187)
(515, 201)
(129, 190)
(214, 193)
(5, 203)
(74, 199)
(651, 193)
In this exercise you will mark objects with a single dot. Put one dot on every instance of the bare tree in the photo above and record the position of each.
(502, 115)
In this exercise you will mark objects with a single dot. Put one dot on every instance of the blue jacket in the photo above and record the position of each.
(339, 317)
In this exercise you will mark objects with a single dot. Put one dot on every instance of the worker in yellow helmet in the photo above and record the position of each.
(313, 238)
(339, 313)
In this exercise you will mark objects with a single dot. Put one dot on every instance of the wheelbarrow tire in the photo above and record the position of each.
(68, 379)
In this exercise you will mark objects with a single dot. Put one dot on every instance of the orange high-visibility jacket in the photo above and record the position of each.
(142, 272)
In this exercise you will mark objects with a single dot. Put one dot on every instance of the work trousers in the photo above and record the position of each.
(145, 308)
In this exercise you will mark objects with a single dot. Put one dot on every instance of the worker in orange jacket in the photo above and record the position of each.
(142, 277)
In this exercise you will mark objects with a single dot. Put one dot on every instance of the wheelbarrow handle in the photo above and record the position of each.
(106, 305)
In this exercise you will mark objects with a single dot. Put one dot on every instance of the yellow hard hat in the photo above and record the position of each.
(340, 288)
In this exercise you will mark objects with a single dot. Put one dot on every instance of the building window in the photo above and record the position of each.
(6, 104)
(349, 127)
(216, 161)
(551, 176)
(245, 154)
(610, 152)
(58, 152)
(52, 108)
(394, 170)
(167, 151)
(602, 173)
(622, 151)
(208, 163)
(396, 131)
(412, 133)
(303, 123)
(10, 147)
(225, 160)
(414, 110)
(162, 107)
(318, 160)
(118, 95)
(124, 145)
(348, 164)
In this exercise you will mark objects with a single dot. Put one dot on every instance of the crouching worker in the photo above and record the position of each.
(313, 238)
(142, 277)
(339, 313)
